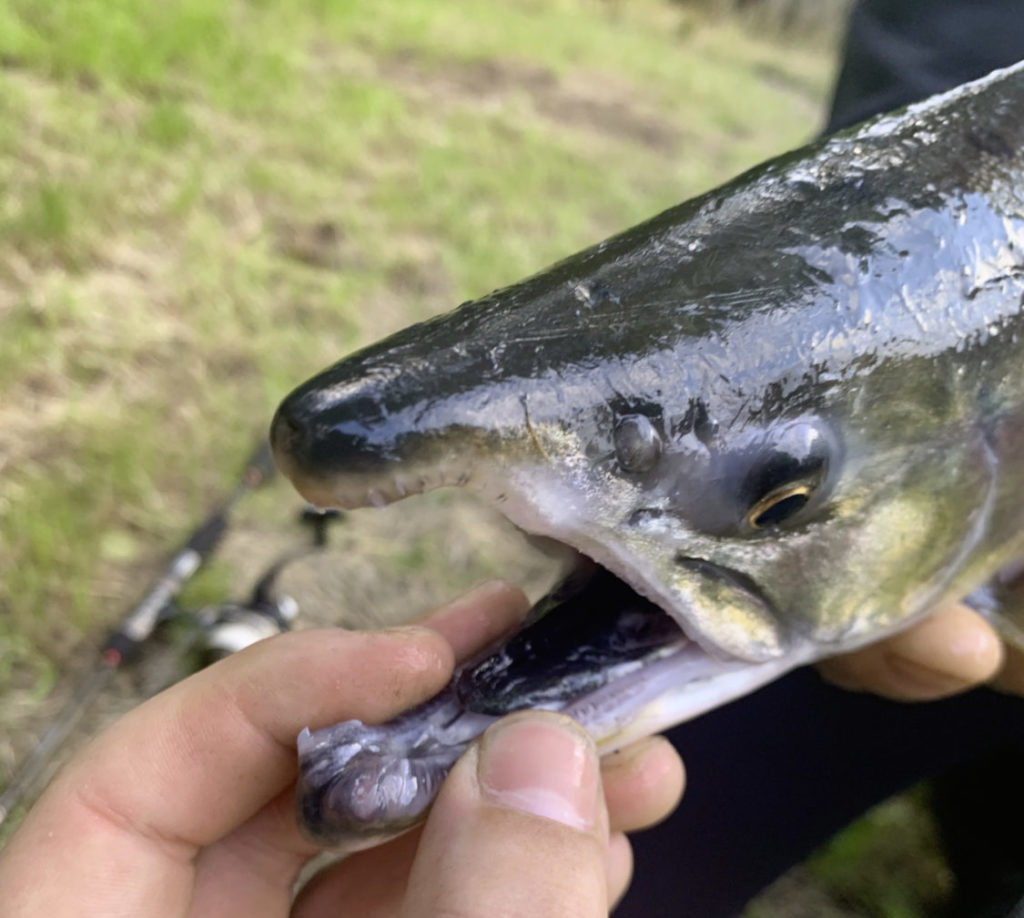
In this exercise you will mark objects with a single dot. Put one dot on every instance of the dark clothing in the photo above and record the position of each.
(773, 776)
(900, 51)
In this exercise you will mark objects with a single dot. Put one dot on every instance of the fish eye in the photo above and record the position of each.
(637, 443)
(787, 477)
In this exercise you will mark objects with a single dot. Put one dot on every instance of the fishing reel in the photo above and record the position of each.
(225, 628)
(230, 627)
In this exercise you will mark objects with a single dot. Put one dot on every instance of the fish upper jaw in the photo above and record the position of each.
(339, 461)
(719, 608)
(354, 437)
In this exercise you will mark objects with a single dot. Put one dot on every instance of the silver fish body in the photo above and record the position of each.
(788, 413)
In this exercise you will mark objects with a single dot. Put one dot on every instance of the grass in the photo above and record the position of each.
(887, 864)
(900, 835)
(204, 201)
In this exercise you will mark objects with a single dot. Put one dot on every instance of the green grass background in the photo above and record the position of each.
(204, 201)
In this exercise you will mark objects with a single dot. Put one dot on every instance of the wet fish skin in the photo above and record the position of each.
(831, 344)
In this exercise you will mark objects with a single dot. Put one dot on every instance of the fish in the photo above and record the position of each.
(774, 423)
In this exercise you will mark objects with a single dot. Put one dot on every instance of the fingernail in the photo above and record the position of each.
(541, 764)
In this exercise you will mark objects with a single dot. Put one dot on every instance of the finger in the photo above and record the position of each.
(619, 867)
(1010, 677)
(645, 779)
(479, 618)
(370, 884)
(253, 869)
(951, 651)
(519, 828)
(643, 783)
(253, 864)
(124, 820)
(212, 750)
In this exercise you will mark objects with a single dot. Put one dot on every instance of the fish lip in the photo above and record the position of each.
(352, 490)
(730, 575)
(705, 568)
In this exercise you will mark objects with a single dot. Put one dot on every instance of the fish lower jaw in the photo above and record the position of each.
(673, 691)
(360, 785)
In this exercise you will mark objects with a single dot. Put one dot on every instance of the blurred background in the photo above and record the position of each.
(202, 202)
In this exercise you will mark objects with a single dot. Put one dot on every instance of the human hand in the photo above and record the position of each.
(951, 651)
(185, 806)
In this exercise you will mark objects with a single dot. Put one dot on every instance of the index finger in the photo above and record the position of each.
(124, 820)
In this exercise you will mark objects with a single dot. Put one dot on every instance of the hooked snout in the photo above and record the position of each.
(351, 440)
(328, 425)
(389, 422)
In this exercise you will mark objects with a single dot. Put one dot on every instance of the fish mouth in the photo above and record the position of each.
(595, 648)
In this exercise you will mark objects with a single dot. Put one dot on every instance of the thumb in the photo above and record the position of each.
(519, 829)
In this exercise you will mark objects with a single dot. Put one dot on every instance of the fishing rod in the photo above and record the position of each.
(125, 642)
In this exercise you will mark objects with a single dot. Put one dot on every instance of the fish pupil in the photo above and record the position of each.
(773, 511)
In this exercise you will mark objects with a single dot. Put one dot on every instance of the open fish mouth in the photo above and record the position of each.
(594, 648)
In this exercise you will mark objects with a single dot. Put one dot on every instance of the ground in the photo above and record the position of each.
(202, 203)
